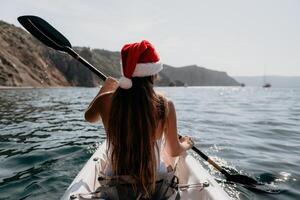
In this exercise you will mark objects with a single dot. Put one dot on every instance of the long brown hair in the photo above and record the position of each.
(133, 120)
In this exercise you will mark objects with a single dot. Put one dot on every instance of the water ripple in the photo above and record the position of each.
(44, 140)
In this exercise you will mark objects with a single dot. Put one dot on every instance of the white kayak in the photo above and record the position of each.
(195, 182)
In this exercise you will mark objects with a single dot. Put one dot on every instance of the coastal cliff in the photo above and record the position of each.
(24, 61)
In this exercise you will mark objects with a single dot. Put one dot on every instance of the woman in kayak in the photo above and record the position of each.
(136, 118)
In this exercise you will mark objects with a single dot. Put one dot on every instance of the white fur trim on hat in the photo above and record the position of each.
(125, 83)
(147, 69)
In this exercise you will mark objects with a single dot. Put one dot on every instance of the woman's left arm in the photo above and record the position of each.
(93, 112)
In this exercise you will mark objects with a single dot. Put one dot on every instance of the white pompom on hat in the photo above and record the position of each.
(138, 60)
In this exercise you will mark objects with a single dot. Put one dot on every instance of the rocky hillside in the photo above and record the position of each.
(77, 74)
(24, 61)
(194, 75)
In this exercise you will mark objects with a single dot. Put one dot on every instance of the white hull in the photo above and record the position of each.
(189, 171)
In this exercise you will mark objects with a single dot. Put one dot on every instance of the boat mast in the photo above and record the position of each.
(264, 78)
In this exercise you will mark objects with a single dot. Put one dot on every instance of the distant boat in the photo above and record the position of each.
(266, 85)
(242, 84)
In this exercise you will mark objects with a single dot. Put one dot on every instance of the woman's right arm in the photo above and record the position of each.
(93, 112)
(174, 146)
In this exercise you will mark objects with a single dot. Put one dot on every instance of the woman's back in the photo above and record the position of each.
(106, 102)
(135, 117)
(133, 123)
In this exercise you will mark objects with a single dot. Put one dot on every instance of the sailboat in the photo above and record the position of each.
(266, 85)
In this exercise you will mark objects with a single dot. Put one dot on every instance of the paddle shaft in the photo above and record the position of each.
(210, 161)
(75, 55)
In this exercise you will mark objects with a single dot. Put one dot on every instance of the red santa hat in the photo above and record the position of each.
(138, 60)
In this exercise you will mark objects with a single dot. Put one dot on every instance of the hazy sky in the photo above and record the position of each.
(236, 36)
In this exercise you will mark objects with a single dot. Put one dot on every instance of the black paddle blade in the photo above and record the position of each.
(264, 188)
(242, 179)
(44, 32)
(253, 184)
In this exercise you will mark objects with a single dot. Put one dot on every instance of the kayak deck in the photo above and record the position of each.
(194, 181)
(190, 171)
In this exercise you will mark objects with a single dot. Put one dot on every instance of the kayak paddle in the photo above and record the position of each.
(48, 35)
(237, 178)
(243, 180)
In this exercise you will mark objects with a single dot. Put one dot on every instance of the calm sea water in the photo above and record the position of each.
(44, 140)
